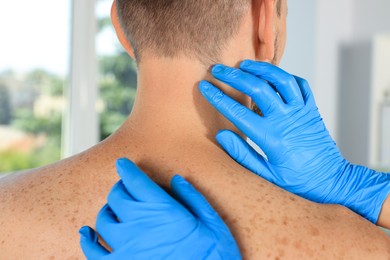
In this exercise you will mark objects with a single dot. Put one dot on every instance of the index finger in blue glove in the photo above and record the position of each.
(261, 92)
(239, 115)
(306, 91)
(121, 202)
(194, 201)
(107, 224)
(284, 82)
(90, 245)
(138, 184)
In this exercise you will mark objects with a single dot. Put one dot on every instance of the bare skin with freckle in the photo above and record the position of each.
(48, 206)
(172, 131)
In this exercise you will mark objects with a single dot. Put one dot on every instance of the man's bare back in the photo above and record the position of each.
(43, 210)
(172, 130)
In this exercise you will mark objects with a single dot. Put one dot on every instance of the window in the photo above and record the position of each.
(41, 109)
(33, 73)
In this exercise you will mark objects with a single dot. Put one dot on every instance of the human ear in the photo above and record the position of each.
(266, 33)
(119, 32)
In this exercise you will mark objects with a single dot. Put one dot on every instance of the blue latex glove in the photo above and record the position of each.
(141, 221)
(301, 155)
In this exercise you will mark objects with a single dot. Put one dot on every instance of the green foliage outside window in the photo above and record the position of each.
(12, 160)
(117, 86)
(22, 117)
(5, 106)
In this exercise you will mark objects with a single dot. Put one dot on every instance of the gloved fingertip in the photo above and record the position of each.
(224, 137)
(123, 166)
(246, 63)
(223, 132)
(204, 86)
(121, 162)
(83, 231)
(87, 233)
(179, 180)
(218, 68)
(249, 63)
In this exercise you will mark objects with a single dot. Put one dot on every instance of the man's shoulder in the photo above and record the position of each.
(45, 207)
(54, 186)
(21, 187)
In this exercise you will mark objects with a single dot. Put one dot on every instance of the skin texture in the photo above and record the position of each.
(384, 217)
(172, 130)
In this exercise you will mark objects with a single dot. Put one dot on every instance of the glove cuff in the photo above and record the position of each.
(368, 191)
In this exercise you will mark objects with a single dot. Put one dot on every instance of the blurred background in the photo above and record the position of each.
(343, 49)
(66, 84)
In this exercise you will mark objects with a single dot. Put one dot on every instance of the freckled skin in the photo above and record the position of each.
(42, 210)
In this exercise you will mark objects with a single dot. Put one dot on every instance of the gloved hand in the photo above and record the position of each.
(141, 221)
(301, 155)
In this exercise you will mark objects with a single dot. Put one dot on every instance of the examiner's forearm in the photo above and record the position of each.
(384, 217)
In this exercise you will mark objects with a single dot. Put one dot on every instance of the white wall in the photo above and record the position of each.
(370, 17)
(321, 35)
(299, 56)
(380, 89)
(315, 32)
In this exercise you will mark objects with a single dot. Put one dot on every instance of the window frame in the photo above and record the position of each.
(81, 121)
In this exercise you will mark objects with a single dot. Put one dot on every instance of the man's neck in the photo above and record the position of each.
(169, 104)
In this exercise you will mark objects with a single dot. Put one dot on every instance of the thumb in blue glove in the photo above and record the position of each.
(142, 221)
